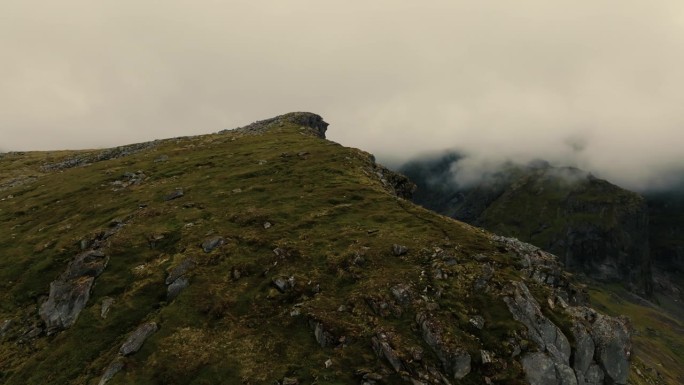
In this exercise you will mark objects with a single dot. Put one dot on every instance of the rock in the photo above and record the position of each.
(109, 373)
(454, 359)
(65, 302)
(309, 122)
(180, 270)
(267, 225)
(162, 158)
(174, 289)
(212, 243)
(323, 337)
(487, 356)
(282, 284)
(478, 321)
(5, 327)
(90, 263)
(540, 369)
(613, 347)
(137, 338)
(328, 363)
(174, 195)
(290, 381)
(401, 293)
(383, 348)
(542, 331)
(107, 303)
(399, 250)
(584, 350)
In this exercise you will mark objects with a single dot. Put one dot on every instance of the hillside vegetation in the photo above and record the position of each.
(269, 255)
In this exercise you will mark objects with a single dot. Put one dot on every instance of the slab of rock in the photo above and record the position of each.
(174, 195)
(137, 338)
(107, 303)
(180, 270)
(109, 373)
(383, 348)
(176, 288)
(65, 302)
(541, 330)
(90, 263)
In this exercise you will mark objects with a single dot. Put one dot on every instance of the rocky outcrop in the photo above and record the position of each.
(602, 346)
(455, 360)
(71, 291)
(308, 121)
(93, 157)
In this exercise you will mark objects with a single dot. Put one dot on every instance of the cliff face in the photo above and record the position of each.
(269, 255)
(595, 227)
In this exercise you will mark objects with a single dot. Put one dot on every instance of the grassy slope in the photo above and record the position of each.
(322, 206)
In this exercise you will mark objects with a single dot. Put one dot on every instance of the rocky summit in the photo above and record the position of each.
(270, 255)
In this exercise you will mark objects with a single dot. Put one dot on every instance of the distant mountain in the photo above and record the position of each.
(596, 228)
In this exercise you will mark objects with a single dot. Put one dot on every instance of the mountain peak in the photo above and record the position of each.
(309, 120)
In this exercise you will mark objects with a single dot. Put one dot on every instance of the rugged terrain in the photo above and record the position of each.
(268, 254)
(613, 238)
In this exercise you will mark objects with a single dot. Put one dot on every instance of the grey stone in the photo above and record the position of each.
(174, 195)
(112, 369)
(383, 348)
(282, 284)
(401, 293)
(478, 321)
(107, 303)
(399, 250)
(174, 289)
(539, 369)
(137, 338)
(487, 356)
(290, 381)
(212, 243)
(323, 337)
(65, 302)
(613, 347)
(584, 349)
(5, 327)
(90, 263)
(180, 270)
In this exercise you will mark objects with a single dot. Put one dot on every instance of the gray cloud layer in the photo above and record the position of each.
(597, 83)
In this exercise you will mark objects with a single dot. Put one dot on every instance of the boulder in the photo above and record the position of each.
(399, 250)
(174, 289)
(137, 338)
(212, 243)
(613, 347)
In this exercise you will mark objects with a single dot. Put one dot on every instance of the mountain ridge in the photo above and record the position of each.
(269, 255)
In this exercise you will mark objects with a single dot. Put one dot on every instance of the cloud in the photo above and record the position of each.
(591, 83)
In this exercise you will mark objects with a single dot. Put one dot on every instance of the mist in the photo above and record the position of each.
(598, 85)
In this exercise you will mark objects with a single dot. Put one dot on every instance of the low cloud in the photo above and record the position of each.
(591, 84)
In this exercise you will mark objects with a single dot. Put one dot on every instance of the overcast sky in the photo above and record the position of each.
(594, 82)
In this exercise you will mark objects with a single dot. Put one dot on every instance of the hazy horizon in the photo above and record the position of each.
(598, 85)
